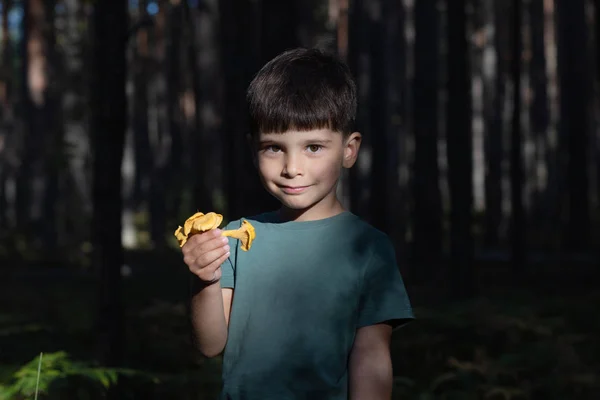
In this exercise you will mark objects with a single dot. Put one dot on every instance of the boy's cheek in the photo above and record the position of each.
(268, 166)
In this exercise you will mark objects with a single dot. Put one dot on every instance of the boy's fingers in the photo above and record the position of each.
(199, 258)
(212, 271)
(215, 265)
(206, 259)
(189, 259)
(216, 275)
(199, 239)
(211, 245)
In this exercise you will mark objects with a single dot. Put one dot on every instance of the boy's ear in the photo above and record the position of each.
(351, 148)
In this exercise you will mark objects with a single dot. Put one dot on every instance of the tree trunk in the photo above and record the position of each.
(357, 54)
(6, 45)
(380, 181)
(494, 143)
(175, 182)
(37, 186)
(76, 201)
(137, 162)
(539, 112)
(200, 156)
(244, 193)
(55, 153)
(26, 144)
(597, 61)
(427, 197)
(396, 91)
(339, 21)
(278, 28)
(574, 76)
(388, 58)
(516, 156)
(109, 123)
(141, 139)
(460, 150)
(6, 118)
(161, 145)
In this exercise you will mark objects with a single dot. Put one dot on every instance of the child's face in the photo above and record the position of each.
(301, 168)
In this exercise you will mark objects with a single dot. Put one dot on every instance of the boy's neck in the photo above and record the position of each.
(317, 212)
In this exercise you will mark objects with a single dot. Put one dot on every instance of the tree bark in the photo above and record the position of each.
(597, 55)
(494, 143)
(396, 91)
(379, 117)
(108, 123)
(427, 242)
(278, 23)
(161, 145)
(26, 144)
(200, 156)
(239, 35)
(357, 53)
(141, 139)
(539, 112)
(460, 150)
(175, 183)
(574, 76)
(37, 183)
(516, 157)
(5, 117)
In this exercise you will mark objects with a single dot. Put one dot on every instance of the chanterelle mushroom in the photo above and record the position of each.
(200, 222)
(245, 233)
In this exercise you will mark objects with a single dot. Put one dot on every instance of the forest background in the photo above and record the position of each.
(481, 160)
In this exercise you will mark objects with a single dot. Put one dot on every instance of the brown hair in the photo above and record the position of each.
(302, 89)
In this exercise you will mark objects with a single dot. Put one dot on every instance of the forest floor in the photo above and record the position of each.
(538, 339)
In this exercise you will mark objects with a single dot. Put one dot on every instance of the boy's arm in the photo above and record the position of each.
(210, 307)
(370, 365)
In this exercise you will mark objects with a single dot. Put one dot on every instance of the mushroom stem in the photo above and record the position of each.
(244, 233)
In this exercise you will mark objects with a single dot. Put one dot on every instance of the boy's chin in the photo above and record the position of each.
(294, 204)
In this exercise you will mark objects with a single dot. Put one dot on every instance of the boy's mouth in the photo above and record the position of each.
(293, 189)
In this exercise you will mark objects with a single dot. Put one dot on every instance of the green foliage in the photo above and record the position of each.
(54, 372)
(508, 345)
(516, 348)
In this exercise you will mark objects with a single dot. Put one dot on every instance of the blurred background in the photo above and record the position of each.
(481, 151)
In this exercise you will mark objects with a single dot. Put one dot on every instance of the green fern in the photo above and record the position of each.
(37, 384)
(38, 375)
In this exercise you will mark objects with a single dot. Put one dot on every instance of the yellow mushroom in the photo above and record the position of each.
(200, 222)
(244, 233)
(187, 225)
(206, 223)
(181, 237)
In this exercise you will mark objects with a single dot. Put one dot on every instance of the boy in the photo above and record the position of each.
(308, 311)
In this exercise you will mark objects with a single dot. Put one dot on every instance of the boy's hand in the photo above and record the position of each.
(204, 253)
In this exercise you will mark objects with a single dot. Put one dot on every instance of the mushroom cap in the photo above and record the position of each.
(197, 223)
(206, 222)
(187, 225)
(181, 238)
(250, 235)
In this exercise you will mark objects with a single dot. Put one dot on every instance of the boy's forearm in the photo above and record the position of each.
(371, 376)
(208, 319)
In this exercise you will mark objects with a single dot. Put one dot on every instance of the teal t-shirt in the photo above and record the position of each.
(300, 294)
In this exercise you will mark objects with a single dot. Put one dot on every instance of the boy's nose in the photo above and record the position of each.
(291, 168)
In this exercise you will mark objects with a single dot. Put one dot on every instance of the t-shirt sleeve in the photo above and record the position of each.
(383, 297)
(228, 267)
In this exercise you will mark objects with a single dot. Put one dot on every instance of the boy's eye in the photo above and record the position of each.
(313, 148)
